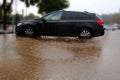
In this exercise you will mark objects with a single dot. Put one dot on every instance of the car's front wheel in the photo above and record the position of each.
(29, 31)
(85, 33)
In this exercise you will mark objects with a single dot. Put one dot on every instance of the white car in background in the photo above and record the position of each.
(112, 28)
(117, 25)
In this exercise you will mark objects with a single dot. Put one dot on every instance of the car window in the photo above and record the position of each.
(75, 16)
(94, 16)
(53, 16)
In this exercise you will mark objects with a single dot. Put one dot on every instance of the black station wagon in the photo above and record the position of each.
(63, 23)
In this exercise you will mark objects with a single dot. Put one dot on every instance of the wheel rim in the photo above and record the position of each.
(85, 33)
(29, 31)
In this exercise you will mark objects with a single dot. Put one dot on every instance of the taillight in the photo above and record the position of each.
(100, 22)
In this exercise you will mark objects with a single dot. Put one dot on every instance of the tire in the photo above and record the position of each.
(29, 31)
(85, 33)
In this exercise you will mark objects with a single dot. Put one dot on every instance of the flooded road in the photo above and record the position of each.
(60, 58)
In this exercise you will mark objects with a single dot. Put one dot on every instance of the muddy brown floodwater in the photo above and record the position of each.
(60, 58)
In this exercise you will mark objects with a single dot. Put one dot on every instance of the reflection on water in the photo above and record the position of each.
(76, 49)
(47, 59)
(17, 62)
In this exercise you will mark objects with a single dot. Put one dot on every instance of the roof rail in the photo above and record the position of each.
(86, 11)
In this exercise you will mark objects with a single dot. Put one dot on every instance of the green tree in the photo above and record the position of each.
(31, 16)
(47, 5)
(9, 16)
(17, 18)
(52, 5)
(1, 12)
(30, 2)
(6, 8)
(111, 18)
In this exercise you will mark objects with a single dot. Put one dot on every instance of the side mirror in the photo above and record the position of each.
(44, 20)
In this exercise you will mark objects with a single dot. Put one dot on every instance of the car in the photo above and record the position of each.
(112, 28)
(63, 23)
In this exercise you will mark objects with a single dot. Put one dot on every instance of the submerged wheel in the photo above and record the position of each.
(29, 31)
(85, 33)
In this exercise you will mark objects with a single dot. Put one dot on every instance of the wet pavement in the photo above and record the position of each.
(60, 58)
(9, 29)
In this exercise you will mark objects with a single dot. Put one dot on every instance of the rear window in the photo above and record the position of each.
(75, 16)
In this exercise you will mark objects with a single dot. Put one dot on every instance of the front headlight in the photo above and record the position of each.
(19, 24)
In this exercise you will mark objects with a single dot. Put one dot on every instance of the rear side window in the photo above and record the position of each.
(75, 16)
(98, 17)
(94, 17)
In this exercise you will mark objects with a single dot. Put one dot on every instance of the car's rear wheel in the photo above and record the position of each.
(29, 31)
(85, 33)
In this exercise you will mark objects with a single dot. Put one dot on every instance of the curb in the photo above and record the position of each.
(6, 32)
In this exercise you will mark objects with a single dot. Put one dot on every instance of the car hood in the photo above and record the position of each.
(31, 21)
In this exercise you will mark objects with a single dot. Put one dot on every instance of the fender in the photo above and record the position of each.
(86, 25)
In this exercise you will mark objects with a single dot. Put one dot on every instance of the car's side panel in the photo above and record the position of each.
(66, 26)
(69, 27)
(50, 28)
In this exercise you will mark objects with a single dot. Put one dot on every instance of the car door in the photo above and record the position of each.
(52, 23)
(70, 23)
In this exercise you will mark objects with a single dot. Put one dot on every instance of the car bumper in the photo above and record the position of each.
(19, 30)
(99, 32)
